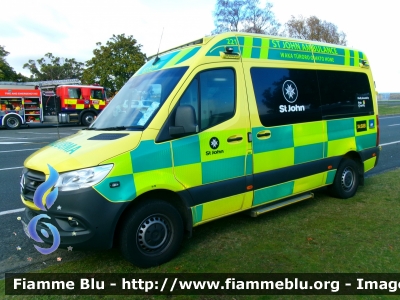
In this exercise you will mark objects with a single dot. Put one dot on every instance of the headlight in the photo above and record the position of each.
(84, 178)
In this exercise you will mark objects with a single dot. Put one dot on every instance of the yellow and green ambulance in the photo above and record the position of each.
(228, 123)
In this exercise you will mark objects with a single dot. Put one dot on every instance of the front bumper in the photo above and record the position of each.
(83, 218)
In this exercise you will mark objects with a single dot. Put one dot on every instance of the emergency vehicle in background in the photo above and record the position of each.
(56, 101)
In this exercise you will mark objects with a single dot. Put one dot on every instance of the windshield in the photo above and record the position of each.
(138, 101)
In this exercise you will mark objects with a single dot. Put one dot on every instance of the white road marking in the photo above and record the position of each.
(10, 168)
(30, 138)
(391, 143)
(19, 150)
(383, 118)
(12, 211)
(47, 133)
(11, 143)
(394, 125)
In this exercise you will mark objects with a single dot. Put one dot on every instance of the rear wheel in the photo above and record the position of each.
(151, 234)
(87, 118)
(346, 180)
(12, 122)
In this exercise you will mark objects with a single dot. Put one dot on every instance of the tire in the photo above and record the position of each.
(87, 118)
(12, 122)
(347, 179)
(151, 234)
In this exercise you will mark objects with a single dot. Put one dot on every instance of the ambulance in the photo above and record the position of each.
(225, 124)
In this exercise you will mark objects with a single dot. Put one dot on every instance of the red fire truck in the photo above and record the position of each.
(57, 101)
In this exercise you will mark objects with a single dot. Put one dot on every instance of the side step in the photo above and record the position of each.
(255, 212)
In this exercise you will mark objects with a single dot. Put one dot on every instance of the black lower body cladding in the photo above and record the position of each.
(83, 218)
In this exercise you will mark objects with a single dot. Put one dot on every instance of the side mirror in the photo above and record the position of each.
(185, 121)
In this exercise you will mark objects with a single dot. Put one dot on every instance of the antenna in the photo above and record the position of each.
(158, 51)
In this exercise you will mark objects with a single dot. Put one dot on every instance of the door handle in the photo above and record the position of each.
(235, 138)
(265, 134)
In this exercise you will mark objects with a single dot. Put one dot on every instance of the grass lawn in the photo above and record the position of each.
(324, 234)
(387, 109)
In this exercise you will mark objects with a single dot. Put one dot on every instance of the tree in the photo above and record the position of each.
(228, 14)
(244, 15)
(7, 73)
(258, 20)
(54, 68)
(314, 29)
(114, 63)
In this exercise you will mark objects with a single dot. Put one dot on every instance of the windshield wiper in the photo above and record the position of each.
(117, 128)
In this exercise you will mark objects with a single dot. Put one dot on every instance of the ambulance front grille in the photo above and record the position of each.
(32, 179)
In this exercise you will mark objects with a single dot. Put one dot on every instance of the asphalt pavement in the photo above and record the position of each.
(17, 253)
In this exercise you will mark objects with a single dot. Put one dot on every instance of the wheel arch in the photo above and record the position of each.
(92, 110)
(179, 201)
(88, 110)
(353, 155)
(11, 114)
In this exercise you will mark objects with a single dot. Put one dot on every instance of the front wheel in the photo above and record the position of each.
(346, 180)
(87, 118)
(12, 122)
(151, 234)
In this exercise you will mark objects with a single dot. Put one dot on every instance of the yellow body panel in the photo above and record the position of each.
(77, 152)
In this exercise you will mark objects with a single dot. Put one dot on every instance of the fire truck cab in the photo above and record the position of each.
(79, 103)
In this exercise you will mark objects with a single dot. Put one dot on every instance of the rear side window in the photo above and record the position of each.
(344, 94)
(74, 93)
(286, 96)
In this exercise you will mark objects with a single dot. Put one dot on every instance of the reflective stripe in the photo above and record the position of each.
(70, 101)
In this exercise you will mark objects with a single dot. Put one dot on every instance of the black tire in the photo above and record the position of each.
(346, 180)
(12, 122)
(151, 234)
(87, 118)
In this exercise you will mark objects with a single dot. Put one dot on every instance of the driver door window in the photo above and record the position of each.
(212, 95)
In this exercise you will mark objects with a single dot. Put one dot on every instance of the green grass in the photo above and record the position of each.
(388, 109)
(325, 234)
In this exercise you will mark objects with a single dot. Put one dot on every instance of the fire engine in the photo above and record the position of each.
(56, 101)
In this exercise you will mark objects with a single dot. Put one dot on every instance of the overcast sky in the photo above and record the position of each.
(70, 29)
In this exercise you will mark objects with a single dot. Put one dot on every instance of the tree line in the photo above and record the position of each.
(116, 61)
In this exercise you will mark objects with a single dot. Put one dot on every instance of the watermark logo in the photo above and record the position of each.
(46, 191)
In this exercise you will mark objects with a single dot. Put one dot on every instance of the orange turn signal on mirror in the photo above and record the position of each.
(249, 187)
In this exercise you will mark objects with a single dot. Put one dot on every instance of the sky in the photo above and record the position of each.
(70, 29)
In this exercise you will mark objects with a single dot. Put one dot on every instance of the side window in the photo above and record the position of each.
(212, 95)
(74, 93)
(286, 96)
(96, 94)
(217, 93)
(191, 96)
(344, 94)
